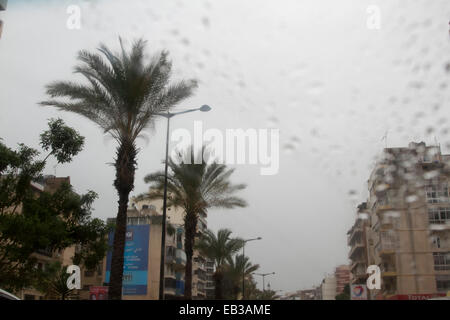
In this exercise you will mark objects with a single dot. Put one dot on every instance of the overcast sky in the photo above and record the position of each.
(313, 69)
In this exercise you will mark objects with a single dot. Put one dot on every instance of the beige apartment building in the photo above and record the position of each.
(357, 240)
(342, 275)
(45, 257)
(329, 287)
(201, 267)
(143, 214)
(405, 226)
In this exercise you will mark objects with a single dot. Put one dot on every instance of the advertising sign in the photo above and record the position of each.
(135, 265)
(358, 292)
(98, 293)
(418, 296)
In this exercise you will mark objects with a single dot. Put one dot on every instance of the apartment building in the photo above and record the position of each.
(199, 267)
(342, 275)
(408, 219)
(3, 4)
(357, 240)
(210, 292)
(329, 287)
(44, 257)
(143, 256)
(200, 270)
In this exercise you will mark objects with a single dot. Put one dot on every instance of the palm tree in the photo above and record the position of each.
(237, 268)
(267, 295)
(122, 96)
(219, 248)
(195, 188)
(55, 284)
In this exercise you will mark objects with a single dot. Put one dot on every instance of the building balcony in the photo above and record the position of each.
(356, 250)
(353, 233)
(388, 270)
(386, 244)
(381, 207)
(384, 249)
(359, 272)
(389, 286)
(358, 264)
(180, 259)
(439, 225)
(170, 286)
(176, 258)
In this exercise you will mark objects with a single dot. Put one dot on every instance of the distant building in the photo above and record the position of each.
(309, 294)
(329, 288)
(342, 275)
(357, 240)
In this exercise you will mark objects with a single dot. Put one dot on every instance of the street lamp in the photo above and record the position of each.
(263, 275)
(243, 271)
(168, 115)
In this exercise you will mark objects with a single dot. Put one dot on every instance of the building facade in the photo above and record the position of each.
(357, 240)
(329, 287)
(405, 225)
(44, 257)
(145, 216)
(342, 275)
(201, 267)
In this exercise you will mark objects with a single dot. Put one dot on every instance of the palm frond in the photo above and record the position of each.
(123, 91)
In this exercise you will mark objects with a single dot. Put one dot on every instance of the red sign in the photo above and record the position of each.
(419, 296)
(98, 293)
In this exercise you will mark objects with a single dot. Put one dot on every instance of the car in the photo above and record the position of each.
(5, 295)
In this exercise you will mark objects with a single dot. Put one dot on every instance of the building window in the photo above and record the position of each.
(88, 273)
(170, 283)
(438, 215)
(443, 282)
(437, 193)
(436, 242)
(441, 261)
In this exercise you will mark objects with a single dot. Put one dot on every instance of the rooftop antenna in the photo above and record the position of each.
(385, 138)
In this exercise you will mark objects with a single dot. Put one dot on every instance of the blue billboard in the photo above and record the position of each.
(135, 264)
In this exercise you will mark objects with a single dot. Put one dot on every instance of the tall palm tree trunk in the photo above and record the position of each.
(236, 291)
(218, 280)
(124, 183)
(190, 222)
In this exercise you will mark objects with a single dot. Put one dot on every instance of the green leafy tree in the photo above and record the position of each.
(195, 188)
(345, 295)
(122, 96)
(236, 268)
(220, 249)
(32, 221)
